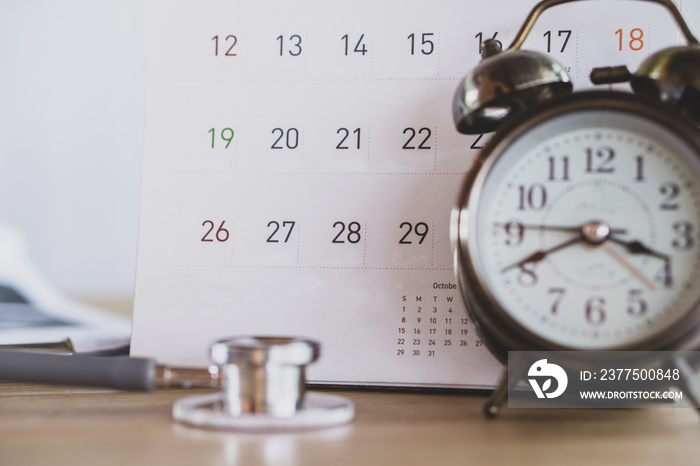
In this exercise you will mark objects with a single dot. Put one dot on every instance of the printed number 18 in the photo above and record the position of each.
(635, 44)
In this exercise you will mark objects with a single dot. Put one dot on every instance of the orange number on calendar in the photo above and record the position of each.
(636, 39)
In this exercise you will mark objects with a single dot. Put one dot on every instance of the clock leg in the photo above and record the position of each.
(492, 408)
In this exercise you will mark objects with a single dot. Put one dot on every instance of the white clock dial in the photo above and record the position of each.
(585, 229)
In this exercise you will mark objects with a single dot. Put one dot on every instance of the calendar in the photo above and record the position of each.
(301, 165)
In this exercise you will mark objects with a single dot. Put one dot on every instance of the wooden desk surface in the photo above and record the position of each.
(52, 426)
(55, 426)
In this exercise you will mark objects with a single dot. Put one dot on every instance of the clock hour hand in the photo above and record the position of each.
(637, 247)
(538, 256)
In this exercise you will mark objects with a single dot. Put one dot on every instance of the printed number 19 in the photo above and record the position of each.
(226, 135)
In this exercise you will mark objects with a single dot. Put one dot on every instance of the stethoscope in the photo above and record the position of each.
(262, 382)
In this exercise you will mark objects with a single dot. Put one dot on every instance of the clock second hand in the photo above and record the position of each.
(627, 264)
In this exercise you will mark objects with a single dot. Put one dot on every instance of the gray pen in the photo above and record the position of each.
(124, 373)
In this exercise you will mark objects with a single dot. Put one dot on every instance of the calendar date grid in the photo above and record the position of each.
(432, 324)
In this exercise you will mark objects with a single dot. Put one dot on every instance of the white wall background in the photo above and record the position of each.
(72, 96)
(691, 13)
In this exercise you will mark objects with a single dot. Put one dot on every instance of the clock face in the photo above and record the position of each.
(583, 229)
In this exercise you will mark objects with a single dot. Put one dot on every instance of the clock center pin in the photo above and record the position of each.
(595, 232)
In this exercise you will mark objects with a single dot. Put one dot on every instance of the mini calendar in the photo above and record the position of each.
(301, 165)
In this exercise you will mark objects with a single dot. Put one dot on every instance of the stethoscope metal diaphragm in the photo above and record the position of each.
(264, 388)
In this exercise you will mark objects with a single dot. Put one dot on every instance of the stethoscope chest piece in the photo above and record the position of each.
(264, 388)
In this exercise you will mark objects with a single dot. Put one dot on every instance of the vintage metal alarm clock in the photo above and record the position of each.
(578, 228)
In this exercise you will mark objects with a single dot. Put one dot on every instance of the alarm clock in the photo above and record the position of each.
(578, 226)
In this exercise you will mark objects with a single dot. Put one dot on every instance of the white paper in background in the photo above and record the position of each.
(300, 168)
(33, 311)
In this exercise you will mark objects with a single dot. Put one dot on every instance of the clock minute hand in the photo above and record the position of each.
(572, 229)
(538, 256)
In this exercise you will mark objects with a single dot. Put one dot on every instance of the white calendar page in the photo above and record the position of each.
(300, 168)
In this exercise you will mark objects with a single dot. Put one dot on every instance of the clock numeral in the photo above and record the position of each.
(685, 232)
(671, 191)
(640, 168)
(533, 197)
(595, 310)
(600, 160)
(636, 305)
(527, 277)
(558, 170)
(665, 274)
(515, 233)
(559, 296)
